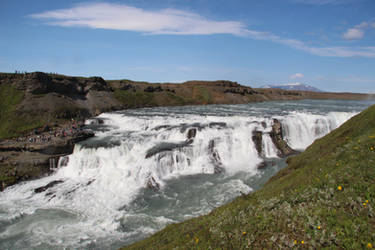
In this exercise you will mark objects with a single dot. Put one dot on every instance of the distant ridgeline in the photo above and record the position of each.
(292, 86)
(33, 100)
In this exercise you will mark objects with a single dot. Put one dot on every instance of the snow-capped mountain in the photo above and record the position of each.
(292, 86)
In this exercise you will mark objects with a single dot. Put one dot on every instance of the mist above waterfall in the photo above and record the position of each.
(146, 168)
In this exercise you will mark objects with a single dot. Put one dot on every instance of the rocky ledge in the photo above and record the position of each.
(37, 154)
(276, 134)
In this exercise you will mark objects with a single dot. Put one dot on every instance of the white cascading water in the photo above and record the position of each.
(108, 172)
(301, 129)
(269, 149)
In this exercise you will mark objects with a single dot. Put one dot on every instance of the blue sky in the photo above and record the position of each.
(329, 44)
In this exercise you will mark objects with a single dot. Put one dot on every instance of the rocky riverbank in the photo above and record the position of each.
(38, 153)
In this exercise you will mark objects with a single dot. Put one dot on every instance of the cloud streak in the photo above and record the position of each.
(334, 51)
(353, 34)
(296, 76)
(123, 17)
(322, 2)
(177, 22)
(357, 32)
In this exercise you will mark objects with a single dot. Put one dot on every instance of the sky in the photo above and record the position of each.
(328, 44)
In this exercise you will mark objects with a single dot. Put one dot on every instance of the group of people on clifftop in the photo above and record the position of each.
(46, 134)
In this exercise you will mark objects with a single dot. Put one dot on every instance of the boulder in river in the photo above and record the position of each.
(49, 185)
(166, 146)
(257, 139)
(152, 184)
(277, 138)
(262, 165)
(191, 133)
(215, 158)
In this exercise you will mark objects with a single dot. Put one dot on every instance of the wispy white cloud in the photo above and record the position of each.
(124, 17)
(322, 2)
(296, 76)
(357, 32)
(353, 34)
(334, 51)
(177, 22)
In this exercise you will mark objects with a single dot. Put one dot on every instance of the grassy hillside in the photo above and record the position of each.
(12, 123)
(324, 199)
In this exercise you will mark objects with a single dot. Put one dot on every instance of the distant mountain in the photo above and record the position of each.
(292, 86)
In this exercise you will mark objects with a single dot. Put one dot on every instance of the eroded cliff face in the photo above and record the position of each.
(56, 96)
(37, 154)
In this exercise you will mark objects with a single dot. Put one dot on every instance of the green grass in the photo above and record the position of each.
(325, 198)
(11, 124)
(135, 99)
(14, 123)
(177, 100)
(204, 95)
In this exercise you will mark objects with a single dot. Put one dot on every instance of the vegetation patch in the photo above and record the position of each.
(324, 199)
(176, 100)
(10, 97)
(204, 95)
(135, 99)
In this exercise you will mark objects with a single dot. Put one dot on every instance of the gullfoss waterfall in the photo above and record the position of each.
(146, 168)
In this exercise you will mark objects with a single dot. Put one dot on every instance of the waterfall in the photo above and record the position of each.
(301, 129)
(147, 168)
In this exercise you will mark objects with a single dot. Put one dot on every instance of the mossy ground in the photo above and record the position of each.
(204, 95)
(139, 98)
(324, 199)
(135, 99)
(13, 124)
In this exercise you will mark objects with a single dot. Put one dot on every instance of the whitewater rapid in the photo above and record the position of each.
(141, 171)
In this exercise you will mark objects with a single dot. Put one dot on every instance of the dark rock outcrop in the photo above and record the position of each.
(241, 91)
(219, 83)
(152, 89)
(49, 185)
(215, 158)
(191, 133)
(41, 83)
(152, 184)
(57, 146)
(257, 139)
(166, 146)
(262, 165)
(277, 138)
